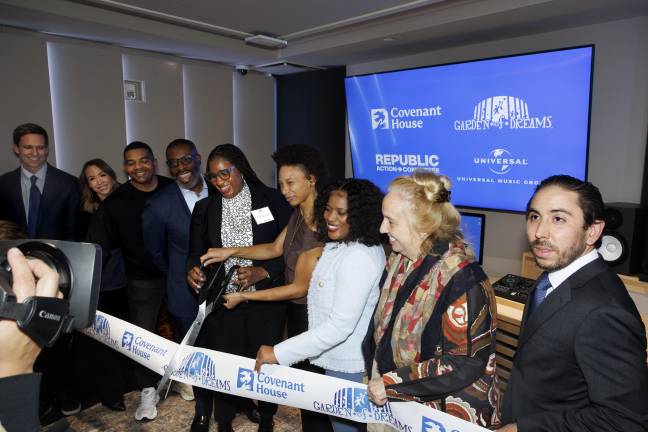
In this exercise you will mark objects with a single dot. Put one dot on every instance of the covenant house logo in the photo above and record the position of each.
(502, 112)
(430, 425)
(140, 347)
(402, 118)
(266, 384)
(200, 368)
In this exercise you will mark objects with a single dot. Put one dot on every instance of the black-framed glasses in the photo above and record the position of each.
(184, 160)
(223, 174)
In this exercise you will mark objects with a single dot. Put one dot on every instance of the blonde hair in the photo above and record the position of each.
(428, 196)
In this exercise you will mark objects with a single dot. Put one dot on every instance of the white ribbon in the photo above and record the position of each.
(283, 385)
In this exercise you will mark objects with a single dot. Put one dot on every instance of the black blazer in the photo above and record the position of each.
(581, 359)
(59, 203)
(205, 231)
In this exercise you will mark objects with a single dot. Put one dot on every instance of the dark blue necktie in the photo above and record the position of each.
(541, 287)
(34, 206)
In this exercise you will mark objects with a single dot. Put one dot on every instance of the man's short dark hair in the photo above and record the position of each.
(29, 128)
(135, 145)
(182, 141)
(589, 197)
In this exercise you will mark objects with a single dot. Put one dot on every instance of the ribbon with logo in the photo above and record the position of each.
(235, 375)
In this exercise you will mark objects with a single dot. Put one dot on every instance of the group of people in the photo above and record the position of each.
(417, 324)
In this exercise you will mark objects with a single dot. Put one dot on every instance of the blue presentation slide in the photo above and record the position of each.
(495, 127)
(472, 227)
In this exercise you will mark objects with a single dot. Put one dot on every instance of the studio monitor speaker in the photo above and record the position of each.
(624, 237)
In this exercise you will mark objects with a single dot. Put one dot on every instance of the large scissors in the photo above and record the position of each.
(208, 299)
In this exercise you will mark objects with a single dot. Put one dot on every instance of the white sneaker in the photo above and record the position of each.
(184, 390)
(147, 406)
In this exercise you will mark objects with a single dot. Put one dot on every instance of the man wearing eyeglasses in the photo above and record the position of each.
(166, 221)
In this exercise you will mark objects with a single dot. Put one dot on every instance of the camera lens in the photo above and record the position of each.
(54, 258)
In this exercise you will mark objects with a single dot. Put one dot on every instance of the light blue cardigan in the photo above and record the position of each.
(342, 295)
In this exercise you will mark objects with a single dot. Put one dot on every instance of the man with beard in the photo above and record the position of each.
(581, 358)
(166, 221)
(118, 224)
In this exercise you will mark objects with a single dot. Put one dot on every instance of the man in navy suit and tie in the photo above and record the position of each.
(580, 363)
(43, 201)
(39, 198)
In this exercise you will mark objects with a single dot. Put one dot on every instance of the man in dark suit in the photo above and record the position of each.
(165, 224)
(42, 199)
(581, 358)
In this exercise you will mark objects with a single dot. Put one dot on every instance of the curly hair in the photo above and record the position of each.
(364, 215)
(307, 158)
(428, 195)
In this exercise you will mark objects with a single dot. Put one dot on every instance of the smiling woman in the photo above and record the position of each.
(432, 336)
(340, 298)
(243, 212)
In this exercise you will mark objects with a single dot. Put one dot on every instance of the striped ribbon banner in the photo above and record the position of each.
(283, 385)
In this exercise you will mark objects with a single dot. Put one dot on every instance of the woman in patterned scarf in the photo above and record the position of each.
(432, 337)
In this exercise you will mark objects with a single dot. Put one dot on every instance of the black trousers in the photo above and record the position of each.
(102, 370)
(240, 331)
(144, 301)
(297, 324)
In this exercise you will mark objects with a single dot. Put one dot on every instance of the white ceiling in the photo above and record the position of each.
(318, 33)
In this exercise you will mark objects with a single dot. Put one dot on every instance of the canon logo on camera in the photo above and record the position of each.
(49, 316)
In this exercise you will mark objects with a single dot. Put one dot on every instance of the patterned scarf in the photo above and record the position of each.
(236, 229)
(412, 318)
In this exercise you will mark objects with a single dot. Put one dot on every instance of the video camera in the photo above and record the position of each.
(45, 318)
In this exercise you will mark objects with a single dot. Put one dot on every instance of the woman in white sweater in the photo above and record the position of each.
(343, 289)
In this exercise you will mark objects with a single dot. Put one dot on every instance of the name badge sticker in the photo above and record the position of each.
(262, 215)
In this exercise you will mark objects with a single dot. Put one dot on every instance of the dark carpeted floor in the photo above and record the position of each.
(174, 414)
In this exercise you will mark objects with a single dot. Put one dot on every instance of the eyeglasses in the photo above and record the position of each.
(184, 160)
(223, 174)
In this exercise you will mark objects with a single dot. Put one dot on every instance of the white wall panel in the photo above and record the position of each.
(24, 91)
(254, 122)
(208, 101)
(88, 104)
(160, 118)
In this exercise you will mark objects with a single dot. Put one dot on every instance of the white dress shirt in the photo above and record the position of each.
(559, 276)
(191, 197)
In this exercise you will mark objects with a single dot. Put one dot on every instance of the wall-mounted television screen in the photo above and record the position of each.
(473, 227)
(495, 127)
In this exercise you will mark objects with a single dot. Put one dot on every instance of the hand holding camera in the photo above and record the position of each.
(30, 278)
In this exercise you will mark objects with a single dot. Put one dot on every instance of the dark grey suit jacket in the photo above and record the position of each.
(581, 359)
(59, 203)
